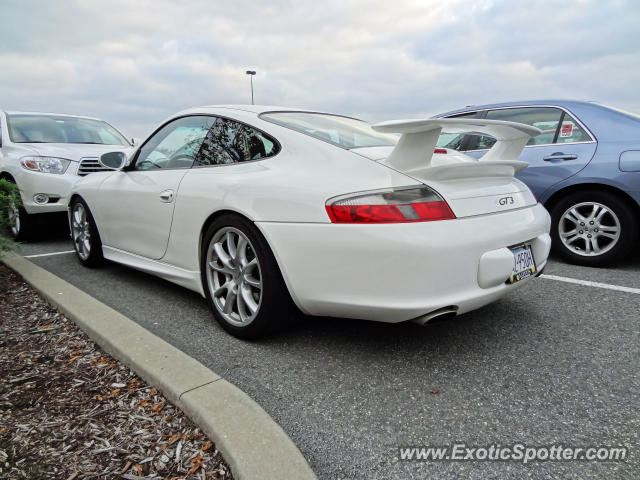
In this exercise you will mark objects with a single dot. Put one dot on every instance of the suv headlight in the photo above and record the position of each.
(45, 164)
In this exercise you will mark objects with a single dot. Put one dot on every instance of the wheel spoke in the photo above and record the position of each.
(601, 214)
(231, 245)
(222, 288)
(253, 282)
(577, 215)
(222, 255)
(242, 251)
(594, 245)
(573, 238)
(594, 211)
(220, 268)
(249, 300)
(570, 233)
(229, 300)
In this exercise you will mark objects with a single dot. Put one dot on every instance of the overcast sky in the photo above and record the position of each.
(136, 62)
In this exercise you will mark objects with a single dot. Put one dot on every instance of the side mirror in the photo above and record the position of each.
(135, 141)
(112, 160)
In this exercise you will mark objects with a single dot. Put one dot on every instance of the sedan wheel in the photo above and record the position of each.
(242, 280)
(235, 280)
(593, 228)
(589, 229)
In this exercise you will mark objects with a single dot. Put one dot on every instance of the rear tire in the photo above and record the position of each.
(84, 233)
(593, 228)
(242, 280)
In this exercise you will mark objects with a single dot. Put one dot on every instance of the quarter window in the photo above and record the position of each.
(571, 131)
(228, 141)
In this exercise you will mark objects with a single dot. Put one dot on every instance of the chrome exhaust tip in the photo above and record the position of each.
(436, 316)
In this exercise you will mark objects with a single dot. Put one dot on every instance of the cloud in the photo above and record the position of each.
(135, 63)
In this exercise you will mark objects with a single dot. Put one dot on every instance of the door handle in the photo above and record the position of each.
(559, 156)
(167, 196)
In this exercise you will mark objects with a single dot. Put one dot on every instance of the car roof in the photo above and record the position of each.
(561, 103)
(17, 112)
(257, 109)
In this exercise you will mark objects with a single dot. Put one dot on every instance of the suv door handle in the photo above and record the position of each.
(559, 156)
(166, 196)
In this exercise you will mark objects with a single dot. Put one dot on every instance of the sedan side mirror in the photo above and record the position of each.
(112, 160)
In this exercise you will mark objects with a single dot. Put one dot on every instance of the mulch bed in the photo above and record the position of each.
(70, 411)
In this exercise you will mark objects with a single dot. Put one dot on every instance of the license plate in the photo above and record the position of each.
(523, 264)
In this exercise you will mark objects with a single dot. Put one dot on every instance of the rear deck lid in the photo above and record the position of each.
(470, 186)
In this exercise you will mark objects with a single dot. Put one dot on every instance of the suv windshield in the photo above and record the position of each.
(26, 128)
(343, 131)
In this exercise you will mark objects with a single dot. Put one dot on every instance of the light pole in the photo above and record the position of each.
(251, 73)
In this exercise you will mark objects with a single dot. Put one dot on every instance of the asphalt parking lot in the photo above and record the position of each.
(551, 363)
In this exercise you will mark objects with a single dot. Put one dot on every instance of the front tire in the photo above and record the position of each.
(242, 280)
(593, 228)
(86, 239)
(21, 224)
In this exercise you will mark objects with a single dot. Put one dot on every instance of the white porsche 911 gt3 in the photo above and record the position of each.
(263, 209)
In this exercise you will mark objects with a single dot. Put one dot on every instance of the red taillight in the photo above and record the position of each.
(403, 205)
(440, 150)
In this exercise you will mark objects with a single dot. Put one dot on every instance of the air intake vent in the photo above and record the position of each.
(90, 165)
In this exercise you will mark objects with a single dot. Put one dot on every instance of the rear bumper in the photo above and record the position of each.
(393, 273)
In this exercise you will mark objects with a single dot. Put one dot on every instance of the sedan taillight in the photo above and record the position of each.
(419, 204)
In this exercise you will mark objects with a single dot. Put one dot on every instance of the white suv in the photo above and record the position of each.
(44, 154)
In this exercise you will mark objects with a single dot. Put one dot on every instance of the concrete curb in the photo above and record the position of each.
(255, 446)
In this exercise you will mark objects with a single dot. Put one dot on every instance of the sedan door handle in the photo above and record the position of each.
(559, 156)
(167, 196)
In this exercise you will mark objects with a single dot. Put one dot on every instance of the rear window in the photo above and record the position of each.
(343, 131)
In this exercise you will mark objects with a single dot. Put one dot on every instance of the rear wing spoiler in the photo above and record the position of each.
(415, 147)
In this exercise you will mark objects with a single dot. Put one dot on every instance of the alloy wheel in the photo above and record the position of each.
(234, 276)
(589, 229)
(13, 217)
(80, 231)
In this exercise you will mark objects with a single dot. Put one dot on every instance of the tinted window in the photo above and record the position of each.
(61, 129)
(229, 141)
(545, 118)
(175, 145)
(454, 141)
(343, 131)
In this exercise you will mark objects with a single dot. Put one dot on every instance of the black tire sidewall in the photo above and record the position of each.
(95, 257)
(276, 303)
(628, 227)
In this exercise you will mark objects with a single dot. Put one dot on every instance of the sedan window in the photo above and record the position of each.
(547, 119)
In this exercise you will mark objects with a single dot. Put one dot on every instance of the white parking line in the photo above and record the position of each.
(49, 254)
(587, 283)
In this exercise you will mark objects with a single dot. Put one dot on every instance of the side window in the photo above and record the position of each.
(571, 131)
(455, 141)
(545, 118)
(229, 141)
(175, 145)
